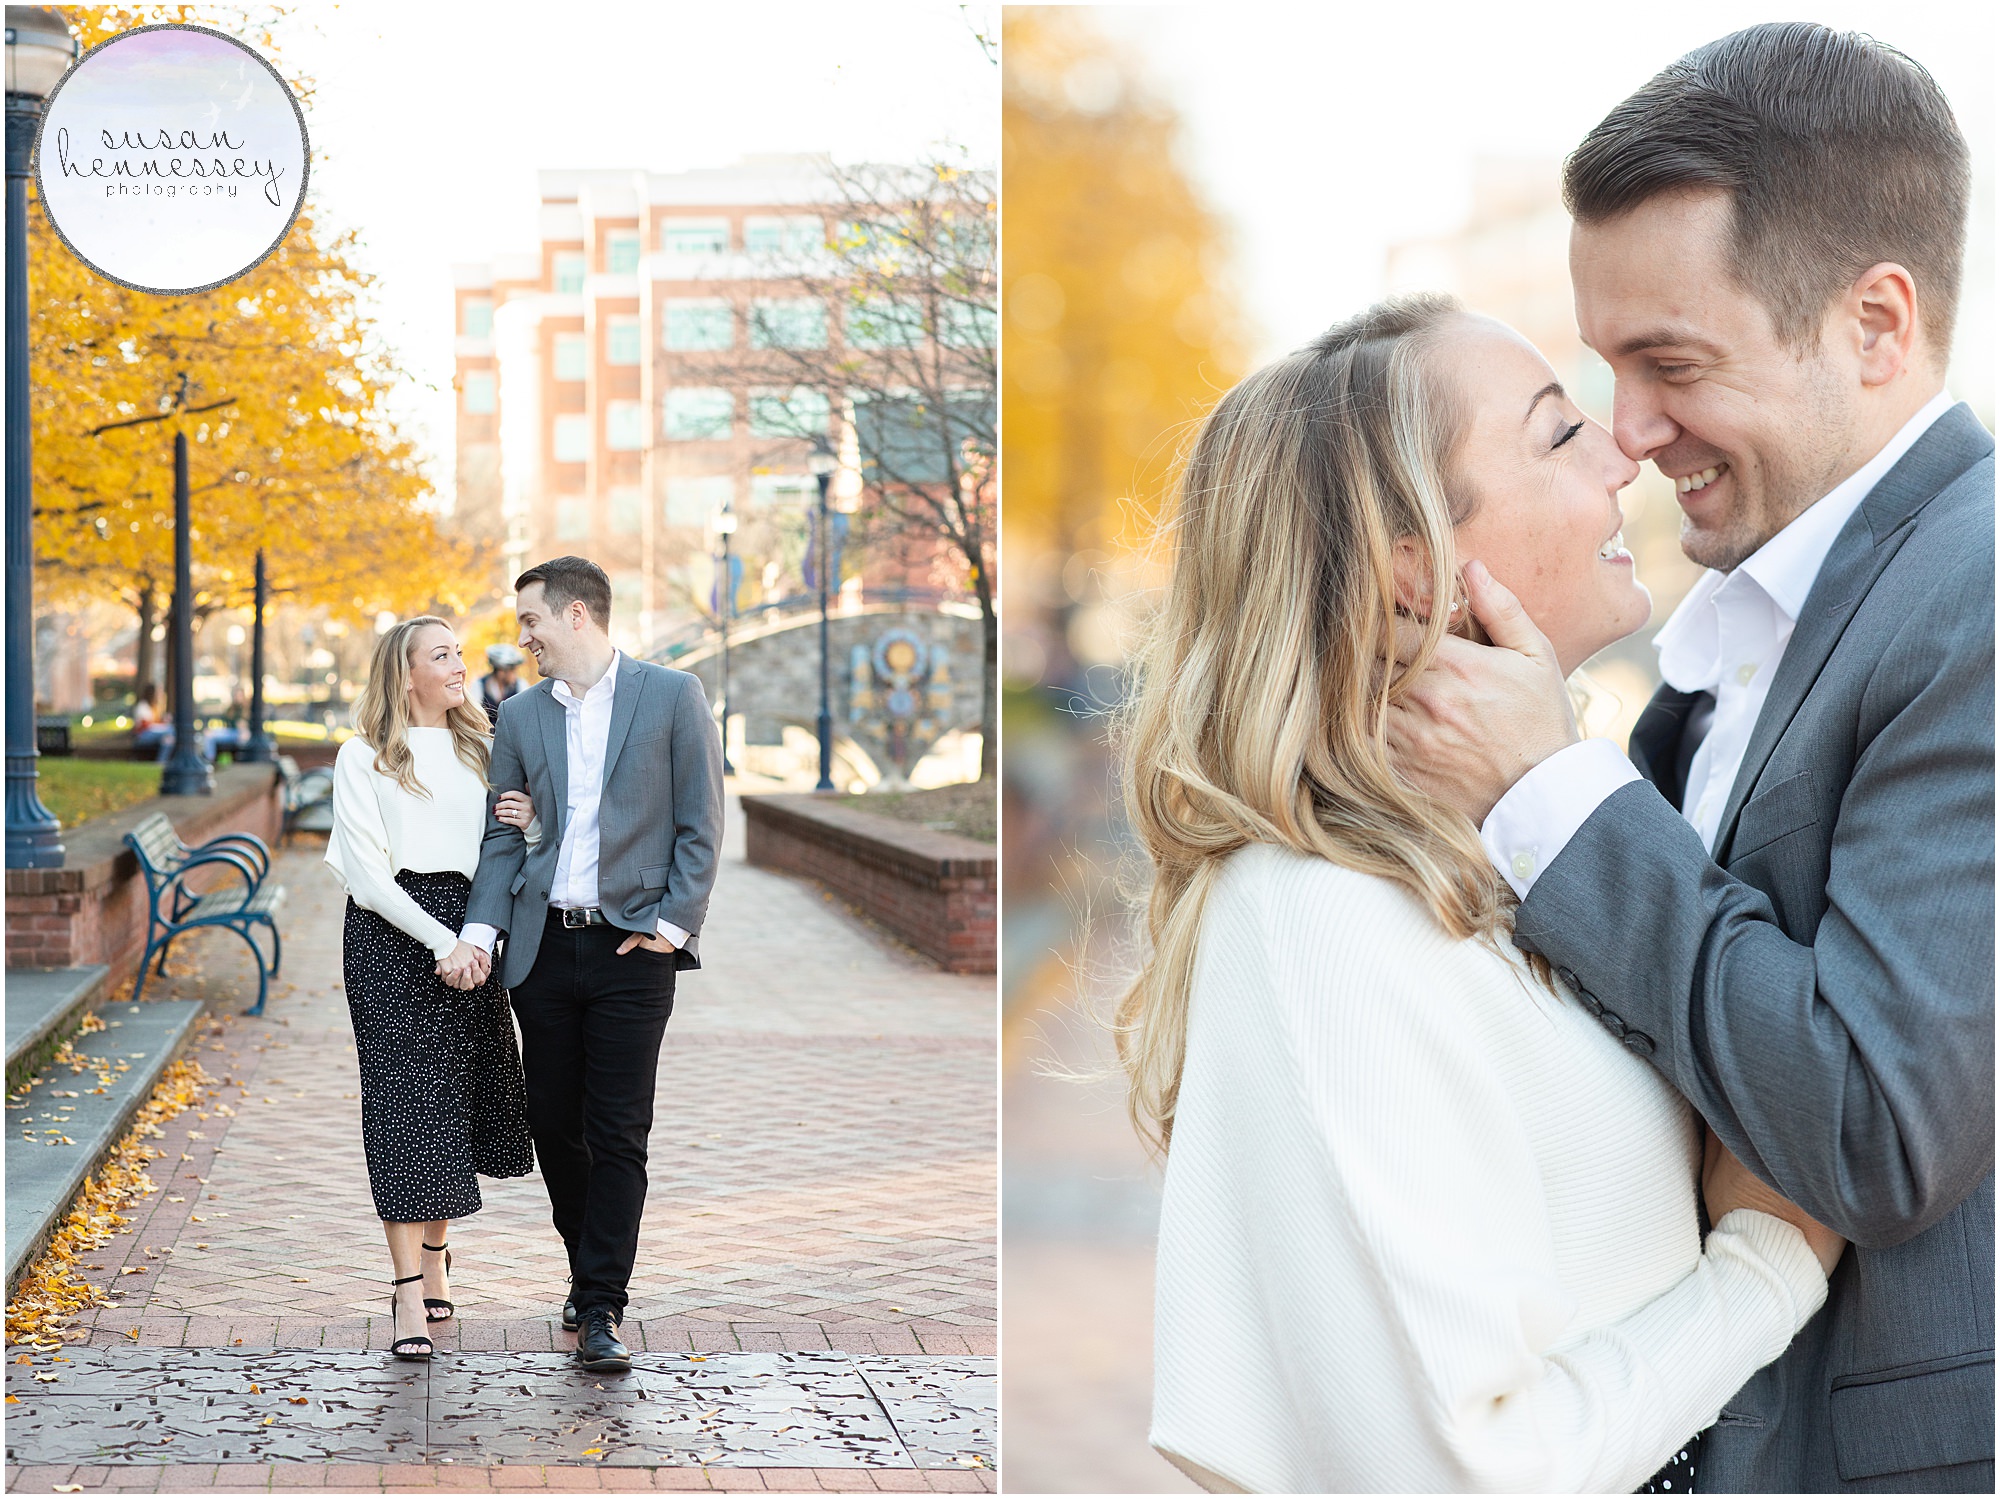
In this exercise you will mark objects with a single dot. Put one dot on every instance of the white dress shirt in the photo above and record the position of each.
(1727, 637)
(587, 734)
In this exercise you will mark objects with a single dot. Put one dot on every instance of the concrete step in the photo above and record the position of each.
(62, 1126)
(43, 1006)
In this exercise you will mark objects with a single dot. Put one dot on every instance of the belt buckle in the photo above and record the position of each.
(575, 916)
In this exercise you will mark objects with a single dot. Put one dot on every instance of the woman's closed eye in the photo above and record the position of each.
(1567, 434)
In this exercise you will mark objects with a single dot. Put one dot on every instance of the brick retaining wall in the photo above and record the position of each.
(937, 891)
(93, 909)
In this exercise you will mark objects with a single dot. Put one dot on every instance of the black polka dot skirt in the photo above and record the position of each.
(1677, 1477)
(442, 1099)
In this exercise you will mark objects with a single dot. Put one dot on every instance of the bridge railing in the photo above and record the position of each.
(684, 639)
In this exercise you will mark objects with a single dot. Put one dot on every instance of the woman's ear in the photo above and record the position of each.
(1412, 566)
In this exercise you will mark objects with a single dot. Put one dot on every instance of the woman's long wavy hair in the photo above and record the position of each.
(1260, 710)
(382, 717)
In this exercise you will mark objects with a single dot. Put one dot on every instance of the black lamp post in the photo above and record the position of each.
(258, 746)
(823, 463)
(39, 51)
(187, 773)
(725, 601)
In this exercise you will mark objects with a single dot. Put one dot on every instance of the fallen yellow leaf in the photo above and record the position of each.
(269, 1419)
(26, 1358)
(295, 1400)
(13, 1399)
(256, 1389)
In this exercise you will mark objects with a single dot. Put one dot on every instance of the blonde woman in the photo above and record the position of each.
(442, 1098)
(1427, 1224)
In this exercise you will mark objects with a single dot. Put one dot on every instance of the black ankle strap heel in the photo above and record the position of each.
(413, 1348)
(436, 1309)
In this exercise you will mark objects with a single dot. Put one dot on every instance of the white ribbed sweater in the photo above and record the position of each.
(1428, 1227)
(379, 828)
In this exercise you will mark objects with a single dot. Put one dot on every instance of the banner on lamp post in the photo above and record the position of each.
(172, 159)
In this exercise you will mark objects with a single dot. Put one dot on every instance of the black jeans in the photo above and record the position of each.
(591, 1026)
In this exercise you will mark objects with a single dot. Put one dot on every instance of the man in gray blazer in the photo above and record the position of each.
(624, 765)
(1784, 900)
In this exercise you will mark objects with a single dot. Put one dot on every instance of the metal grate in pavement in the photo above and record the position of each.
(732, 1410)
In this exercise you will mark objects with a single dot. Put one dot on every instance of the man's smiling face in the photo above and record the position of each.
(1750, 430)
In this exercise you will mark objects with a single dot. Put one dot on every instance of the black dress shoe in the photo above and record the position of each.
(569, 1314)
(597, 1345)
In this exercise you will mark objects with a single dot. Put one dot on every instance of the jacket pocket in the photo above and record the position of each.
(1771, 815)
(1918, 1416)
(654, 877)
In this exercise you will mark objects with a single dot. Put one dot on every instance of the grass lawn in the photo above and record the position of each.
(970, 809)
(77, 790)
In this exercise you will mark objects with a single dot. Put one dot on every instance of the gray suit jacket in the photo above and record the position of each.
(1822, 988)
(659, 819)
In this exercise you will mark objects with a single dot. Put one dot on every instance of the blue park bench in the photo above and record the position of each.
(175, 908)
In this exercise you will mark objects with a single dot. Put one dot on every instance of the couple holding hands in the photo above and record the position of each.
(1536, 1116)
(583, 826)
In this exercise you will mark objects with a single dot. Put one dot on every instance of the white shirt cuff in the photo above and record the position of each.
(674, 934)
(1536, 819)
(480, 935)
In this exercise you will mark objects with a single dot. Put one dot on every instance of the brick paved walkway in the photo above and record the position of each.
(822, 1174)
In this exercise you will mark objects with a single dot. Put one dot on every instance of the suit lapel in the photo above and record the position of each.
(1865, 546)
(624, 705)
(1656, 737)
(555, 750)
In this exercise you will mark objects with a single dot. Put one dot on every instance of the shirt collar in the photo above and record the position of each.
(1784, 568)
(603, 687)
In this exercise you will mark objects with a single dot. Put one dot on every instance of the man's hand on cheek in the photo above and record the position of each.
(1481, 717)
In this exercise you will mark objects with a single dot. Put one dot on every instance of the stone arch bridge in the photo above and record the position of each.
(903, 671)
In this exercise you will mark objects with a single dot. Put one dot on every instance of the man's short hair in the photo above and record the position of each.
(1837, 152)
(572, 580)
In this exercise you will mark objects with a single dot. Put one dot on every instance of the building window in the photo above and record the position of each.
(569, 267)
(700, 323)
(904, 440)
(964, 326)
(699, 414)
(572, 356)
(802, 413)
(693, 498)
(621, 340)
(478, 317)
(787, 323)
(883, 323)
(695, 236)
(794, 235)
(621, 252)
(626, 510)
(481, 392)
(769, 490)
(624, 426)
(572, 517)
(572, 438)
(628, 593)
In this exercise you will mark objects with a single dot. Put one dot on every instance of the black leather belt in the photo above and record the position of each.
(575, 916)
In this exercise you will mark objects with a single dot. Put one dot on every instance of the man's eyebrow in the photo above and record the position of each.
(1553, 388)
(1666, 336)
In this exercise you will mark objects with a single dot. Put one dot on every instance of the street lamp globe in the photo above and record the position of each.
(39, 50)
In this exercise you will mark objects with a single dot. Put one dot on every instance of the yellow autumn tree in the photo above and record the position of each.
(281, 384)
(1117, 328)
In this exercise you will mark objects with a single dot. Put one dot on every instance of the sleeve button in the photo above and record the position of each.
(1614, 1025)
(1524, 865)
(1639, 1042)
